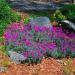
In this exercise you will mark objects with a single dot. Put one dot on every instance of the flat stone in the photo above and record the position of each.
(16, 57)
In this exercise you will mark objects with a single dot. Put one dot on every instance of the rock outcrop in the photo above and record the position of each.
(23, 5)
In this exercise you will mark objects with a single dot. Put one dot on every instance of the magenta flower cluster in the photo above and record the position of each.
(64, 41)
(37, 41)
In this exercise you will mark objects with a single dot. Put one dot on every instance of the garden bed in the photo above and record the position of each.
(37, 43)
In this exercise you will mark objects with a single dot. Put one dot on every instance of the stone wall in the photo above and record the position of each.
(33, 0)
(70, 1)
(43, 0)
(23, 5)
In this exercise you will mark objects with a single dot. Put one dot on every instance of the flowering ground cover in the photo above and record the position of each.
(42, 49)
(36, 42)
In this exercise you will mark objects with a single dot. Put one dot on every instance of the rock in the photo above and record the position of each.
(69, 24)
(41, 21)
(23, 5)
(16, 57)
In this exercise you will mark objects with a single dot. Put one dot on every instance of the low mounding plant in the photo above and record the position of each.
(32, 43)
(39, 41)
(64, 42)
(57, 16)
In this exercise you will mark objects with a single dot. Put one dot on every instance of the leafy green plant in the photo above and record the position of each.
(57, 16)
(6, 16)
(31, 60)
(26, 20)
(3, 49)
(2, 39)
(3, 25)
(56, 54)
(2, 46)
(71, 14)
(67, 8)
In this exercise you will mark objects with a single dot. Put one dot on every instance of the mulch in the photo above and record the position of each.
(46, 67)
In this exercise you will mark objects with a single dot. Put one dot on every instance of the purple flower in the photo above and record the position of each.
(26, 54)
(27, 43)
(37, 41)
(36, 28)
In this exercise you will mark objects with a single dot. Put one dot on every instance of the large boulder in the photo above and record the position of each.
(41, 21)
(68, 26)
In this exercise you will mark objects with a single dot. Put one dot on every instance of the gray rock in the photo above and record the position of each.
(69, 24)
(41, 21)
(16, 57)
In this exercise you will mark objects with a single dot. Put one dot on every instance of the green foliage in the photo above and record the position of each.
(26, 20)
(57, 16)
(30, 60)
(33, 16)
(3, 49)
(73, 54)
(6, 16)
(3, 25)
(68, 52)
(6, 12)
(4, 9)
(14, 17)
(57, 54)
(2, 39)
(69, 12)
(48, 54)
(68, 7)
